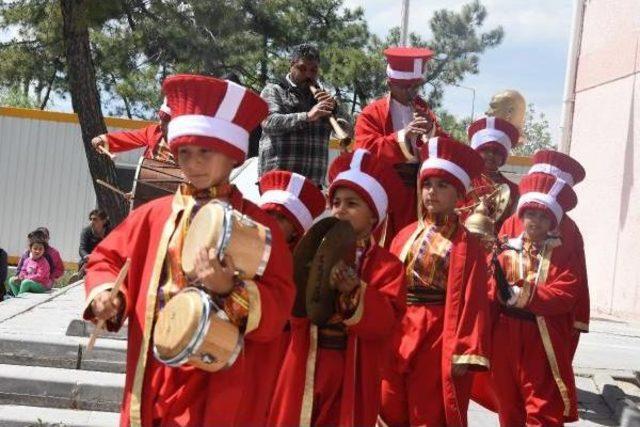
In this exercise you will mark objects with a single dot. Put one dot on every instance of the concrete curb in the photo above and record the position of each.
(61, 388)
(31, 301)
(20, 416)
(62, 352)
(616, 399)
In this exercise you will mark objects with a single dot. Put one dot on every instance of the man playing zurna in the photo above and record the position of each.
(394, 127)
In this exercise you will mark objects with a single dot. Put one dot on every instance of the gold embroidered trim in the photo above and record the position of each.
(255, 307)
(470, 359)
(179, 204)
(310, 372)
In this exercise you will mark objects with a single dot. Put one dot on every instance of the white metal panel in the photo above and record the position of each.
(44, 181)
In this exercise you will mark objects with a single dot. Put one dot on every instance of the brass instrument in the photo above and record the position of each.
(338, 133)
(487, 211)
(511, 106)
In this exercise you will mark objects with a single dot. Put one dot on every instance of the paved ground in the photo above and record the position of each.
(611, 348)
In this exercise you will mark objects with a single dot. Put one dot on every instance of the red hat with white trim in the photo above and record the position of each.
(372, 178)
(292, 195)
(493, 132)
(212, 113)
(452, 161)
(407, 65)
(164, 112)
(559, 165)
(548, 193)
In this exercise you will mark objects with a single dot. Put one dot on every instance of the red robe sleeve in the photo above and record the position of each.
(371, 133)
(383, 301)
(472, 342)
(558, 295)
(146, 137)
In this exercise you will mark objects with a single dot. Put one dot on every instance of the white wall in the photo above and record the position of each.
(605, 137)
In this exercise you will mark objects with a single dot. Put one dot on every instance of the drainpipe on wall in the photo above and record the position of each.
(569, 98)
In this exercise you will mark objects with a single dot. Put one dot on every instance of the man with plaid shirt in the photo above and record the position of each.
(294, 135)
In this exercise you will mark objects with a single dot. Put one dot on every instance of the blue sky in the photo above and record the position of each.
(531, 58)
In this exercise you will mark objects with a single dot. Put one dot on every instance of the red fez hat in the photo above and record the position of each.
(452, 161)
(493, 132)
(164, 112)
(407, 65)
(559, 165)
(372, 178)
(292, 195)
(548, 193)
(212, 113)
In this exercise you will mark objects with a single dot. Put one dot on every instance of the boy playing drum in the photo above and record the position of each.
(208, 135)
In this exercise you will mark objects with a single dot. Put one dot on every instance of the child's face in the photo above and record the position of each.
(288, 230)
(438, 196)
(347, 205)
(204, 167)
(37, 250)
(492, 157)
(537, 224)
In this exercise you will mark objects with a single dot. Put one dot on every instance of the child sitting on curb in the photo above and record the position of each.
(35, 275)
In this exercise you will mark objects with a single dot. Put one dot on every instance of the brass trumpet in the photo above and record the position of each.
(338, 132)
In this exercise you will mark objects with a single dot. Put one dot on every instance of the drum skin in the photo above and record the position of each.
(217, 226)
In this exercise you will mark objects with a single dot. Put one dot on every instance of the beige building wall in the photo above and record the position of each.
(604, 138)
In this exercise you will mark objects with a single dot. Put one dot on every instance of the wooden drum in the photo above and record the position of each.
(192, 330)
(219, 227)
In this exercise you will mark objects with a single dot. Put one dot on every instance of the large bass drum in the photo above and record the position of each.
(154, 179)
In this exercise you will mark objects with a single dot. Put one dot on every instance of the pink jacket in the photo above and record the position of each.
(37, 270)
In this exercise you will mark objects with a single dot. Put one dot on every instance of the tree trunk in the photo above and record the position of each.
(85, 100)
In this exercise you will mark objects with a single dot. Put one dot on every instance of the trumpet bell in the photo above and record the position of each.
(480, 223)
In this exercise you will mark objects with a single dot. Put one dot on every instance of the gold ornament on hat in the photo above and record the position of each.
(511, 106)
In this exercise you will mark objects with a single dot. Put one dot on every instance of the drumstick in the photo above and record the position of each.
(111, 187)
(112, 295)
(107, 152)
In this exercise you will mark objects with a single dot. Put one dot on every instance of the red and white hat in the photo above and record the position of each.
(292, 195)
(212, 113)
(492, 132)
(164, 112)
(546, 192)
(407, 65)
(368, 176)
(559, 165)
(452, 161)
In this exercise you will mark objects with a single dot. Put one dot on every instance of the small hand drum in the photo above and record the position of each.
(192, 330)
(219, 227)
(303, 255)
(339, 243)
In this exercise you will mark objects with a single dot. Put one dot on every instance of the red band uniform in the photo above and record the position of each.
(447, 318)
(498, 136)
(381, 126)
(568, 169)
(532, 347)
(214, 115)
(331, 374)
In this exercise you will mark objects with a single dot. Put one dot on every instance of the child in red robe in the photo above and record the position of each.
(209, 136)
(331, 373)
(569, 170)
(493, 138)
(445, 330)
(294, 201)
(536, 288)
